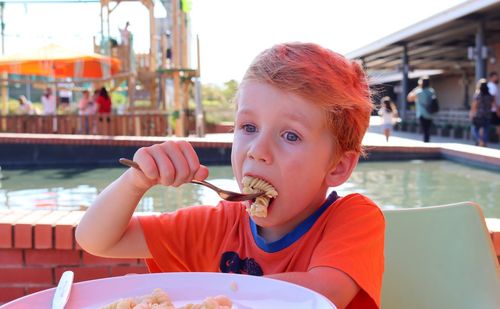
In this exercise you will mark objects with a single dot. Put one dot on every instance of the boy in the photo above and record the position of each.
(302, 111)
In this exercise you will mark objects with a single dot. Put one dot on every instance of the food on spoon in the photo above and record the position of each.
(254, 185)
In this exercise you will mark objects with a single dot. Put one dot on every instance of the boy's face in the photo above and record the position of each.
(283, 139)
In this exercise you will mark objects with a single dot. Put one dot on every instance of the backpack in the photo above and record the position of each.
(433, 106)
(484, 105)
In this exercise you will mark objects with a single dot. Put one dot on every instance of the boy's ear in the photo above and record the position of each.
(341, 171)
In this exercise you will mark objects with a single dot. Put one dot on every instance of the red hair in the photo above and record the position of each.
(325, 78)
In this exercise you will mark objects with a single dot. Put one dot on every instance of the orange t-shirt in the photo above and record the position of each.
(345, 233)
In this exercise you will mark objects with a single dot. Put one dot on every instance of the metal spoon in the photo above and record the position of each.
(224, 194)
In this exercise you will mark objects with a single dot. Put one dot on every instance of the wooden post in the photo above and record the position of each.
(152, 54)
(162, 76)
(200, 119)
(176, 61)
(5, 100)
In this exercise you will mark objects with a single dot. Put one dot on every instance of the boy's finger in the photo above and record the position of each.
(146, 163)
(166, 169)
(191, 158)
(179, 162)
(201, 173)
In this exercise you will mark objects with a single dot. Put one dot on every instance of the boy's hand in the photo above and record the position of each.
(171, 163)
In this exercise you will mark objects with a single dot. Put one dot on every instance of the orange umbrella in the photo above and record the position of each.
(59, 62)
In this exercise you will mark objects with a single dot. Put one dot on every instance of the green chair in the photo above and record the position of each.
(439, 257)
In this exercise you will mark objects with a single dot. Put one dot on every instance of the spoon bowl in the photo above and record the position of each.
(224, 194)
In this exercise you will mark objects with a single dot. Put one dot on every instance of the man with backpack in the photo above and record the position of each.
(426, 104)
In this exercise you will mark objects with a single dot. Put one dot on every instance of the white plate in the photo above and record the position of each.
(245, 291)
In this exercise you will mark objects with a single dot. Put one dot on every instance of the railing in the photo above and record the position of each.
(445, 118)
(134, 124)
(446, 123)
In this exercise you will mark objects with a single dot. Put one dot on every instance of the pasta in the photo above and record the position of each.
(254, 185)
(160, 300)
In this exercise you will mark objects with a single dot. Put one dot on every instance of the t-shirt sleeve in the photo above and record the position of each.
(354, 243)
(185, 240)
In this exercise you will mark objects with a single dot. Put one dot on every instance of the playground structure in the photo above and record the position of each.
(167, 65)
(164, 76)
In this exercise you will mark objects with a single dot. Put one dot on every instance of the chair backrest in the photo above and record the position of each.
(439, 257)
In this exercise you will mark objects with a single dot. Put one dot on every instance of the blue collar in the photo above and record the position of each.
(296, 233)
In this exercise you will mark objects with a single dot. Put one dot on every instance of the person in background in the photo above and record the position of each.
(86, 107)
(301, 113)
(49, 102)
(495, 108)
(389, 114)
(103, 102)
(125, 35)
(126, 43)
(422, 95)
(50, 107)
(65, 96)
(25, 106)
(480, 113)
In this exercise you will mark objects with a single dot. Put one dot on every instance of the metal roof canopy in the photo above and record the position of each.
(438, 42)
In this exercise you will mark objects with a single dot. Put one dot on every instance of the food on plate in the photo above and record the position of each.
(159, 299)
(253, 185)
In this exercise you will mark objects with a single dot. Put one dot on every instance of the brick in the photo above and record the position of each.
(64, 236)
(65, 230)
(127, 270)
(84, 273)
(51, 257)
(11, 257)
(22, 236)
(23, 228)
(495, 237)
(493, 225)
(10, 293)
(25, 275)
(44, 229)
(43, 236)
(7, 221)
(77, 246)
(89, 259)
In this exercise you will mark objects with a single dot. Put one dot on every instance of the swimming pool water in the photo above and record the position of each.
(398, 184)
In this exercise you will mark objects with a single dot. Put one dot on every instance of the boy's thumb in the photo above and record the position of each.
(201, 173)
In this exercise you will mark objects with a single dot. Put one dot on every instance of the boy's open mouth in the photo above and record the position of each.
(259, 206)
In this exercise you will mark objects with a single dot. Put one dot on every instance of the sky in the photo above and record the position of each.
(231, 32)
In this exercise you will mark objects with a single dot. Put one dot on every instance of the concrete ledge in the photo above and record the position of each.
(53, 150)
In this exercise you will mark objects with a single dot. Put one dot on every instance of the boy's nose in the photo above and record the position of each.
(259, 150)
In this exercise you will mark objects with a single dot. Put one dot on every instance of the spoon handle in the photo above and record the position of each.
(134, 164)
(129, 163)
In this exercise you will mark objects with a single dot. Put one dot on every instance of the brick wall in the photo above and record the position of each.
(36, 247)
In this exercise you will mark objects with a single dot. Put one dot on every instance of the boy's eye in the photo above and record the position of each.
(291, 137)
(249, 128)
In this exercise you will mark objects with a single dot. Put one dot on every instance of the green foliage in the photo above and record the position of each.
(218, 101)
(118, 98)
(230, 88)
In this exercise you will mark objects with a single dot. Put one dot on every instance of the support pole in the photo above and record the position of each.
(2, 25)
(200, 117)
(404, 82)
(152, 55)
(176, 61)
(481, 50)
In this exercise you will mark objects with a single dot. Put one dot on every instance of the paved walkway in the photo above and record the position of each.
(375, 135)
